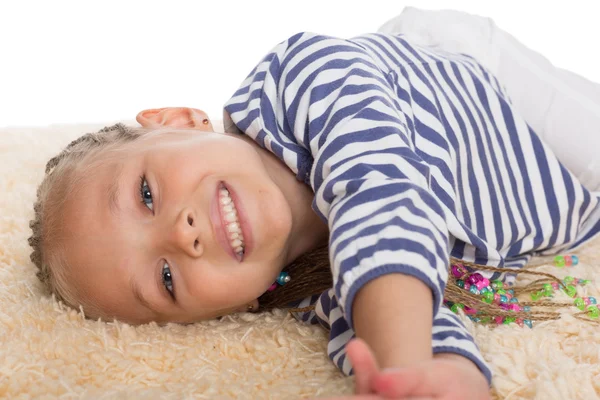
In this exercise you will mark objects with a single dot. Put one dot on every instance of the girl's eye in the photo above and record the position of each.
(145, 193)
(167, 279)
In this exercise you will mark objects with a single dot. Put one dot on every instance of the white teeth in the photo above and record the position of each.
(230, 217)
(233, 227)
(232, 223)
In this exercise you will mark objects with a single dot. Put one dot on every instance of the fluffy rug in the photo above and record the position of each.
(48, 351)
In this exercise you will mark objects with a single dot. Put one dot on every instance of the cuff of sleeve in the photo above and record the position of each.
(436, 287)
(482, 365)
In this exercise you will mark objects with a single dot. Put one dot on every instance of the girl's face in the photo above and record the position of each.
(183, 226)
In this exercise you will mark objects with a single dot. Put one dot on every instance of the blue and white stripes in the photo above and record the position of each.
(414, 155)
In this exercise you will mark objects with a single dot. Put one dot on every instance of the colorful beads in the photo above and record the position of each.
(574, 260)
(503, 296)
(561, 261)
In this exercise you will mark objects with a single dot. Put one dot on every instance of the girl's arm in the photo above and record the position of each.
(393, 314)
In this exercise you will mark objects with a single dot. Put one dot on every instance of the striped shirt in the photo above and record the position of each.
(414, 155)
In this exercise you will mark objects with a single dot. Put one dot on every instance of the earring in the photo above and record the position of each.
(282, 279)
(205, 121)
(250, 308)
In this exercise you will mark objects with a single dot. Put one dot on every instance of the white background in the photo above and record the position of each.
(90, 62)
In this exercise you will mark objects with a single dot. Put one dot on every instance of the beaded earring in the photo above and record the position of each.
(282, 279)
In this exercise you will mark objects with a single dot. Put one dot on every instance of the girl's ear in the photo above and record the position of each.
(176, 117)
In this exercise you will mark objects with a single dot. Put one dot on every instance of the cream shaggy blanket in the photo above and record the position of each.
(48, 351)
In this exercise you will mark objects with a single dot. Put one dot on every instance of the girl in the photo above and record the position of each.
(380, 156)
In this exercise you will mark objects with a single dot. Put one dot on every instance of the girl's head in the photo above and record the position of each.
(168, 222)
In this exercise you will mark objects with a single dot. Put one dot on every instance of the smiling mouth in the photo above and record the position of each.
(232, 227)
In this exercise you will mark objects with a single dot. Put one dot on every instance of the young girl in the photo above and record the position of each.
(354, 170)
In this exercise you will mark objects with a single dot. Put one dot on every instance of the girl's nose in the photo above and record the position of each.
(186, 233)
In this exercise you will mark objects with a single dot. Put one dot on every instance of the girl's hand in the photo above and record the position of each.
(445, 377)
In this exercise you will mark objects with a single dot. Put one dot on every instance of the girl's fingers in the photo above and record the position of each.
(364, 365)
(419, 382)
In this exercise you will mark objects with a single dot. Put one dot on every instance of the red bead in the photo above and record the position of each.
(568, 261)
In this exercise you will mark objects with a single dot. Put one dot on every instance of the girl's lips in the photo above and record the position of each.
(219, 224)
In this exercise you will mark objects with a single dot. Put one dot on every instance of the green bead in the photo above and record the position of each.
(485, 290)
(501, 291)
(593, 311)
(488, 297)
(535, 296)
(559, 261)
(584, 282)
(456, 306)
(497, 284)
(568, 279)
(547, 289)
(460, 283)
(508, 320)
(571, 291)
(579, 303)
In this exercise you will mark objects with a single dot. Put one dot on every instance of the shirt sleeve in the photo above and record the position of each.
(333, 113)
